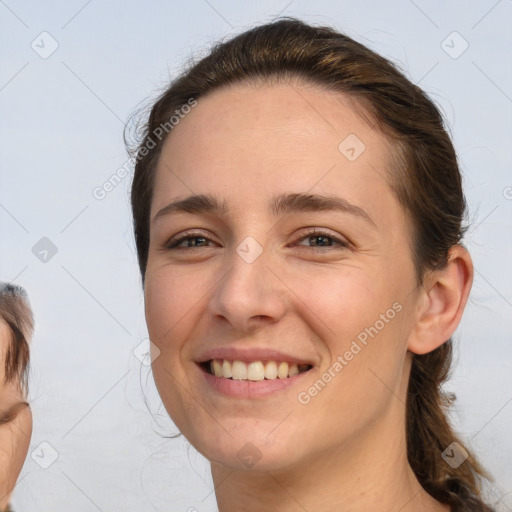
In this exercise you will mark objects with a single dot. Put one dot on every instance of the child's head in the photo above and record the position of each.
(16, 327)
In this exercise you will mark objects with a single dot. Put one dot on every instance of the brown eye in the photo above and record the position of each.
(192, 239)
(323, 239)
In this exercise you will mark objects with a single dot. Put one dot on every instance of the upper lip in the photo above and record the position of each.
(250, 354)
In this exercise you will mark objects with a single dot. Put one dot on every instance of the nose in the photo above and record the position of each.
(250, 293)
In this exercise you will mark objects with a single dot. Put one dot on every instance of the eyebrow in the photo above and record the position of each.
(280, 205)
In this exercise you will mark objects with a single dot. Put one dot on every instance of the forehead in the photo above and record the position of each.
(282, 113)
(261, 138)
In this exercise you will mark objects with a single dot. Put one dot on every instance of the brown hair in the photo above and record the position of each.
(15, 311)
(425, 179)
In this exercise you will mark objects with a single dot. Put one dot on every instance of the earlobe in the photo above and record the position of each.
(442, 302)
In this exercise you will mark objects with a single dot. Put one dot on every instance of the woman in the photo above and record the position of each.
(16, 327)
(298, 217)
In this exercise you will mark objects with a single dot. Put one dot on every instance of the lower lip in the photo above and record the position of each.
(248, 388)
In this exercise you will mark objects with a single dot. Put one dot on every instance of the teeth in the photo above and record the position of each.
(271, 370)
(217, 368)
(282, 370)
(293, 370)
(239, 370)
(255, 370)
(226, 369)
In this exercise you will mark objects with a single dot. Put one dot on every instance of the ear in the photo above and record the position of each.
(441, 302)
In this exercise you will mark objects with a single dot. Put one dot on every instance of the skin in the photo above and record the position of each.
(15, 434)
(345, 449)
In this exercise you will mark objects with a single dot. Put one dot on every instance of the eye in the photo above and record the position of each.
(193, 239)
(323, 239)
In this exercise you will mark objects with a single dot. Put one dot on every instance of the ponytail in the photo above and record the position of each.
(429, 434)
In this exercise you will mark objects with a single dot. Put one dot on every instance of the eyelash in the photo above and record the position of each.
(173, 244)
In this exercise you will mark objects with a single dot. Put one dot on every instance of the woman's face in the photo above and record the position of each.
(15, 425)
(278, 275)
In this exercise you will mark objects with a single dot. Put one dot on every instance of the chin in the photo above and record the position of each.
(248, 449)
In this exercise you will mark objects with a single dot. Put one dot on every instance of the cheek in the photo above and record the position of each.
(167, 303)
(370, 328)
(172, 304)
(169, 299)
(14, 444)
(364, 324)
(340, 305)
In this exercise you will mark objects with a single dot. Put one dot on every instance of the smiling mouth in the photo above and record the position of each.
(253, 370)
